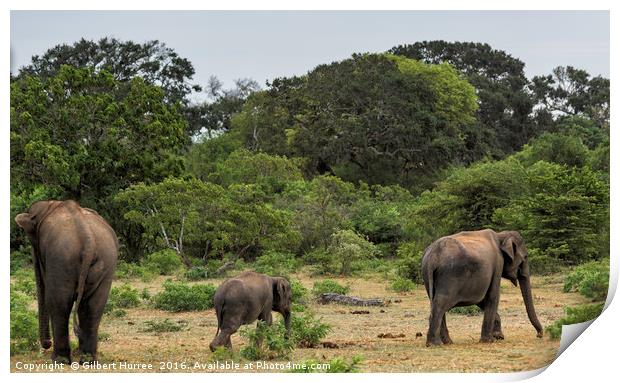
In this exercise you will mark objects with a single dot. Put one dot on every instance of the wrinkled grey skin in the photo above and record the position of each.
(74, 256)
(465, 269)
(246, 298)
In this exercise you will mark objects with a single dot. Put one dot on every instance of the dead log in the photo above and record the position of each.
(226, 266)
(327, 298)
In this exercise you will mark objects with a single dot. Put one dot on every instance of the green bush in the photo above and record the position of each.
(223, 353)
(409, 265)
(164, 262)
(179, 296)
(590, 280)
(347, 247)
(24, 282)
(275, 264)
(336, 365)
(306, 331)
(273, 345)
(126, 270)
(165, 325)
(299, 293)
(196, 273)
(21, 259)
(123, 296)
(577, 314)
(24, 325)
(400, 285)
(328, 286)
(472, 310)
(542, 264)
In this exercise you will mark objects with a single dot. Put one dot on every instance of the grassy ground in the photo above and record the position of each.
(355, 334)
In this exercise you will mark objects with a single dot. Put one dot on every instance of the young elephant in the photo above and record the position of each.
(246, 298)
(466, 269)
(74, 256)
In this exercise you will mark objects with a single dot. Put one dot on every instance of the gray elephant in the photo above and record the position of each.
(466, 269)
(74, 256)
(246, 298)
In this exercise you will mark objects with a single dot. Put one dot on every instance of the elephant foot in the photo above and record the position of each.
(87, 358)
(433, 342)
(61, 359)
(46, 343)
(485, 339)
(498, 335)
(539, 334)
(446, 340)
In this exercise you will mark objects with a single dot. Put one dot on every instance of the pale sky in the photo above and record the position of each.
(266, 44)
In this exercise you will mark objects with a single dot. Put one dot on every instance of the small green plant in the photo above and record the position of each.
(118, 313)
(347, 247)
(165, 325)
(104, 336)
(123, 296)
(306, 331)
(409, 265)
(400, 285)
(299, 293)
(145, 294)
(196, 273)
(466, 310)
(273, 345)
(223, 353)
(328, 286)
(577, 314)
(179, 296)
(126, 270)
(336, 365)
(275, 264)
(590, 280)
(24, 282)
(24, 324)
(164, 262)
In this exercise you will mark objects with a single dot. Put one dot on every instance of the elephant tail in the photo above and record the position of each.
(219, 311)
(86, 255)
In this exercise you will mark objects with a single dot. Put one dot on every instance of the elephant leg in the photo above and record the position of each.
(439, 306)
(497, 328)
(59, 305)
(267, 318)
(491, 302)
(445, 335)
(89, 314)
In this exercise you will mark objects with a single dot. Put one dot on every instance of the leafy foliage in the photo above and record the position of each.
(24, 324)
(123, 296)
(164, 262)
(400, 285)
(306, 330)
(273, 345)
(346, 247)
(328, 286)
(574, 315)
(275, 264)
(336, 365)
(166, 325)
(589, 279)
(466, 310)
(178, 296)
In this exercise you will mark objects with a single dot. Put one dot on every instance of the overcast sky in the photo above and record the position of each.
(267, 44)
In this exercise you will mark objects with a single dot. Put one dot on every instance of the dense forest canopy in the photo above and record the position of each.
(379, 154)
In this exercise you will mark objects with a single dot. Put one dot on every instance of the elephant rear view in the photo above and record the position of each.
(74, 255)
(246, 298)
(465, 269)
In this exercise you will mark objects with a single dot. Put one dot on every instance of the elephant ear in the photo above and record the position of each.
(281, 289)
(508, 248)
(27, 222)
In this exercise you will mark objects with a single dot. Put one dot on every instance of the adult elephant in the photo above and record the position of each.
(246, 298)
(466, 269)
(74, 256)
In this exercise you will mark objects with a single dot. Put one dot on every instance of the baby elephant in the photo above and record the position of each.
(246, 298)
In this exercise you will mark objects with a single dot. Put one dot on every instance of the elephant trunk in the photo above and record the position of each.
(44, 319)
(287, 323)
(526, 292)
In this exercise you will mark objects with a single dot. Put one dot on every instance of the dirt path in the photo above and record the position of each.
(355, 334)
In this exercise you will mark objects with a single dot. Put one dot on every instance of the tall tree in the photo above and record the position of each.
(505, 104)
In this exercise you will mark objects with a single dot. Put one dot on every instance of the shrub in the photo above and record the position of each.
(577, 314)
(466, 310)
(24, 325)
(590, 280)
(24, 282)
(123, 296)
(118, 313)
(21, 259)
(273, 343)
(336, 365)
(126, 270)
(410, 264)
(328, 286)
(178, 296)
(347, 246)
(164, 262)
(306, 331)
(400, 284)
(166, 325)
(196, 273)
(299, 294)
(275, 264)
(542, 264)
(223, 353)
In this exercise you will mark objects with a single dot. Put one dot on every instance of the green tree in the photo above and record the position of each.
(377, 118)
(501, 85)
(558, 148)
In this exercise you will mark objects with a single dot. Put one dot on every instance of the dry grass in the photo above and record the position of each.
(356, 334)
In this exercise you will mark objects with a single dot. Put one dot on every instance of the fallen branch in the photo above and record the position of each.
(326, 298)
